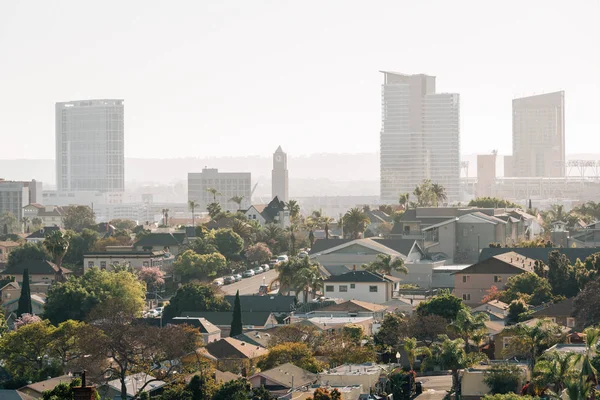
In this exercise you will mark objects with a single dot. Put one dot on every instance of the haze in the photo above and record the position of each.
(241, 77)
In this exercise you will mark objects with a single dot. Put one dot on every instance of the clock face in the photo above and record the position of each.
(278, 158)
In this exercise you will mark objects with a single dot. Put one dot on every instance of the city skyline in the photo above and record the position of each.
(304, 88)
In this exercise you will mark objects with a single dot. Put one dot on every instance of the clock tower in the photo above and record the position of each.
(279, 176)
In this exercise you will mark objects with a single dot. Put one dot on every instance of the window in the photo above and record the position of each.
(497, 278)
(373, 289)
(466, 278)
(570, 322)
(352, 286)
(102, 264)
(329, 288)
(343, 288)
(90, 264)
(465, 232)
(466, 296)
(406, 229)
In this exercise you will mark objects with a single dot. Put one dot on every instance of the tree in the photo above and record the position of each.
(294, 209)
(192, 207)
(426, 328)
(296, 333)
(589, 374)
(195, 297)
(274, 237)
(214, 210)
(585, 305)
(298, 275)
(152, 276)
(25, 222)
(260, 393)
(79, 245)
(325, 394)
(77, 218)
(554, 369)
(203, 245)
(355, 222)
(123, 224)
(28, 251)
(237, 200)
(57, 244)
(258, 252)
(504, 378)
(214, 193)
(291, 231)
(307, 280)
(9, 223)
(345, 349)
(298, 354)
(236, 323)
(37, 223)
(425, 194)
(410, 347)
(190, 265)
(445, 305)
(392, 329)
(385, 264)
(239, 389)
(64, 391)
(403, 199)
(517, 310)
(529, 286)
(561, 276)
(77, 297)
(469, 326)
(439, 193)
(24, 306)
(26, 319)
(492, 202)
(530, 341)
(65, 343)
(229, 243)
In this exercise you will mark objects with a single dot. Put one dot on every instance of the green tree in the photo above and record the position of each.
(555, 369)
(385, 264)
(204, 245)
(469, 326)
(190, 265)
(393, 328)
(517, 310)
(585, 305)
(77, 297)
(561, 275)
(229, 243)
(24, 306)
(65, 341)
(57, 244)
(239, 389)
(589, 374)
(531, 340)
(504, 378)
(326, 394)
(79, 245)
(214, 210)
(237, 200)
(298, 354)
(195, 297)
(445, 305)
(236, 323)
(214, 193)
(28, 251)
(77, 218)
(192, 207)
(307, 279)
(529, 286)
(25, 222)
(9, 223)
(492, 202)
(439, 193)
(294, 209)
(64, 391)
(355, 223)
(403, 199)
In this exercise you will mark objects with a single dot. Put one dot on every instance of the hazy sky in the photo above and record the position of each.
(241, 77)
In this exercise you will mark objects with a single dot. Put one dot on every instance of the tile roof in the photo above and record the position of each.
(254, 303)
(354, 306)
(160, 239)
(224, 318)
(541, 253)
(561, 309)
(288, 374)
(36, 267)
(234, 348)
(361, 276)
(42, 233)
(9, 243)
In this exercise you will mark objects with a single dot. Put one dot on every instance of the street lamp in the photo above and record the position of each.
(397, 357)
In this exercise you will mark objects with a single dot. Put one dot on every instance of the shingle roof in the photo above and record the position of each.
(48, 384)
(42, 233)
(224, 318)
(354, 306)
(234, 348)
(288, 374)
(561, 309)
(256, 338)
(160, 239)
(253, 303)
(202, 324)
(361, 276)
(326, 244)
(272, 209)
(541, 253)
(509, 263)
(403, 246)
(36, 267)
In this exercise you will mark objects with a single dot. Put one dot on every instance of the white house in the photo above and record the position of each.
(48, 215)
(136, 259)
(361, 285)
(276, 212)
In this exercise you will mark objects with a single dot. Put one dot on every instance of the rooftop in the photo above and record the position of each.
(356, 369)
(354, 306)
(362, 276)
(288, 374)
(338, 320)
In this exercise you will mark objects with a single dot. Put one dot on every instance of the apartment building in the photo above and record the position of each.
(227, 186)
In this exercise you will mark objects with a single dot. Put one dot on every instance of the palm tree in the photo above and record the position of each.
(57, 244)
(468, 325)
(403, 200)
(578, 389)
(310, 224)
(243, 229)
(291, 230)
(531, 340)
(238, 200)
(555, 369)
(588, 373)
(25, 221)
(308, 279)
(294, 209)
(192, 206)
(36, 222)
(385, 264)
(214, 193)
(439, 193)
(355, 222)
(286, 271)
(165, 213)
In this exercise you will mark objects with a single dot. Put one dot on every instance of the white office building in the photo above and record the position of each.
(420, 136)
(90, 146)
(227, 184)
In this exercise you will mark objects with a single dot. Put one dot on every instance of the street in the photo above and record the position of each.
(250, 285)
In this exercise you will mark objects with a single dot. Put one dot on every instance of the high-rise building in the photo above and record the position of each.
(227, 185)
(14, 195)
(420, 136)
(90, 146)
(539, 135)
(279, 176)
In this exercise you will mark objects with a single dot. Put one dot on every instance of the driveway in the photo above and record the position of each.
(250, 285)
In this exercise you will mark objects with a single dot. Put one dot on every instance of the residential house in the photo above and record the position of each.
(352, 308)
(378, 220)
(233, 355)
(251, 320)
(38, 302)
(136, 259)
(5, 248)
(401, 305)
(133, 382)
(276, 212)
(161, 241)
(339, 256)
(589, 236)
(361, 285)
(10, 394)
(255, 338)
(36, 390)
(48, 215)
(503, 338)
(347, 392)
(283, 378)
(366, 375)
(9, 292)
(210, 333)
(39, 271)
(278, 305)
(541, 253)
(474, 386)
(473, 283)
(561, 313)
(40, 235)
(495, 306)
(335, 325)
(442, 277)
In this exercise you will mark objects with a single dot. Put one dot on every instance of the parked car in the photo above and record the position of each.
(218, 282)
(265, 267)
(228, 280)
(282, 258)
(258, 270)
(303, 254)
(248, 273)
(238, 277)
(273, 262)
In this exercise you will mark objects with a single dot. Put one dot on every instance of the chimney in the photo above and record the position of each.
(84, 392)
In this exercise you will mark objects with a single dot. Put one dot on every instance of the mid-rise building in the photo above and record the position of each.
(226, 185)
(486, 174)
(90, 146)
(539, 135)
(14, 195)
(279, 176)
(420, 136)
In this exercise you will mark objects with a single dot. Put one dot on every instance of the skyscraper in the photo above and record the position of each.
(279, 176)
(90, 146)
(539, 135)
(420, 136)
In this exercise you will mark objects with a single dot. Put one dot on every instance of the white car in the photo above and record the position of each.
(265, 267)
(282, 258)
(303, 254)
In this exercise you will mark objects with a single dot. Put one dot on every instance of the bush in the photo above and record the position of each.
(503, 379)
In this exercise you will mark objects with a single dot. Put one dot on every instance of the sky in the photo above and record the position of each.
(221, 78)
